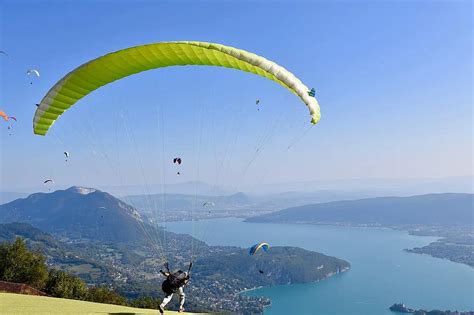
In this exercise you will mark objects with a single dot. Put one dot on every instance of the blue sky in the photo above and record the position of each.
(394, 80)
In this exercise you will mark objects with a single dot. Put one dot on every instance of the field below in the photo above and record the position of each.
(29, 304)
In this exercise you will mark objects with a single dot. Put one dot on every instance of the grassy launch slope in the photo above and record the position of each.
(29, 304)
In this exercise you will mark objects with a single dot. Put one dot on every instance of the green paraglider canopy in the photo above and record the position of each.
(117, 65)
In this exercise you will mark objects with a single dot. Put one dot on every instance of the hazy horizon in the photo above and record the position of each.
(379, 186)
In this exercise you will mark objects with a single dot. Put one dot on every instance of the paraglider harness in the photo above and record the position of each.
(175, 280)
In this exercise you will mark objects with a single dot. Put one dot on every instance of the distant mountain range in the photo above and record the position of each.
(358, 187)
(355, 186)
(182, 202)
(432, 209)
(238, 201)
(375, 186)
(77, 212)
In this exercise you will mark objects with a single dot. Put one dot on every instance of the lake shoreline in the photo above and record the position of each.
(411, 230)
(328, 276)
(376, 255)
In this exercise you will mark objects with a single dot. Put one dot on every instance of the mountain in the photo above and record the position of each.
(8, 233)
(77, 212)
(432, 209)
(147, 204)
(171, 202)
(291, 199)
(10, 196)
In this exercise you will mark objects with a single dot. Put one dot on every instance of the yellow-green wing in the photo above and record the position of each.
(117, 65)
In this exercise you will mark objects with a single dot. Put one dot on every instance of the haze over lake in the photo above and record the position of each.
(381, 273)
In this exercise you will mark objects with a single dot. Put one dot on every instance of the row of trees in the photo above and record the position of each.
(20, 265)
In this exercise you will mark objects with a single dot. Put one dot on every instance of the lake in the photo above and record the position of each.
(381, 272)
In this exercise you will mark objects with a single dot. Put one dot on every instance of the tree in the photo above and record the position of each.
(18, 264)
(103, 294)
(63, 285)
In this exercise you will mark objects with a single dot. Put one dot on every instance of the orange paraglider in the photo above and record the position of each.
(3, 115)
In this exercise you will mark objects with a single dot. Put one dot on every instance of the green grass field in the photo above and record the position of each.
(29, 304)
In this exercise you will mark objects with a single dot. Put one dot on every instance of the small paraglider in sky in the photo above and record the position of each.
(4, 115)
(208, 204)
(10, 126)
(257, 102)
(255, 248)
(3, 53)
(312, 93)
(47, 183)
(33, 72)
(7, 118)
(177, 160)
(66, 154)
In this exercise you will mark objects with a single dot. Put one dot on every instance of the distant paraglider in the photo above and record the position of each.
(8, 118)
(66, 154)
(10, 126)
(208, 204)
(3, 53)
(34, 73)
(4, 116)
(177, 160)
(47, 183)
(255, 248)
